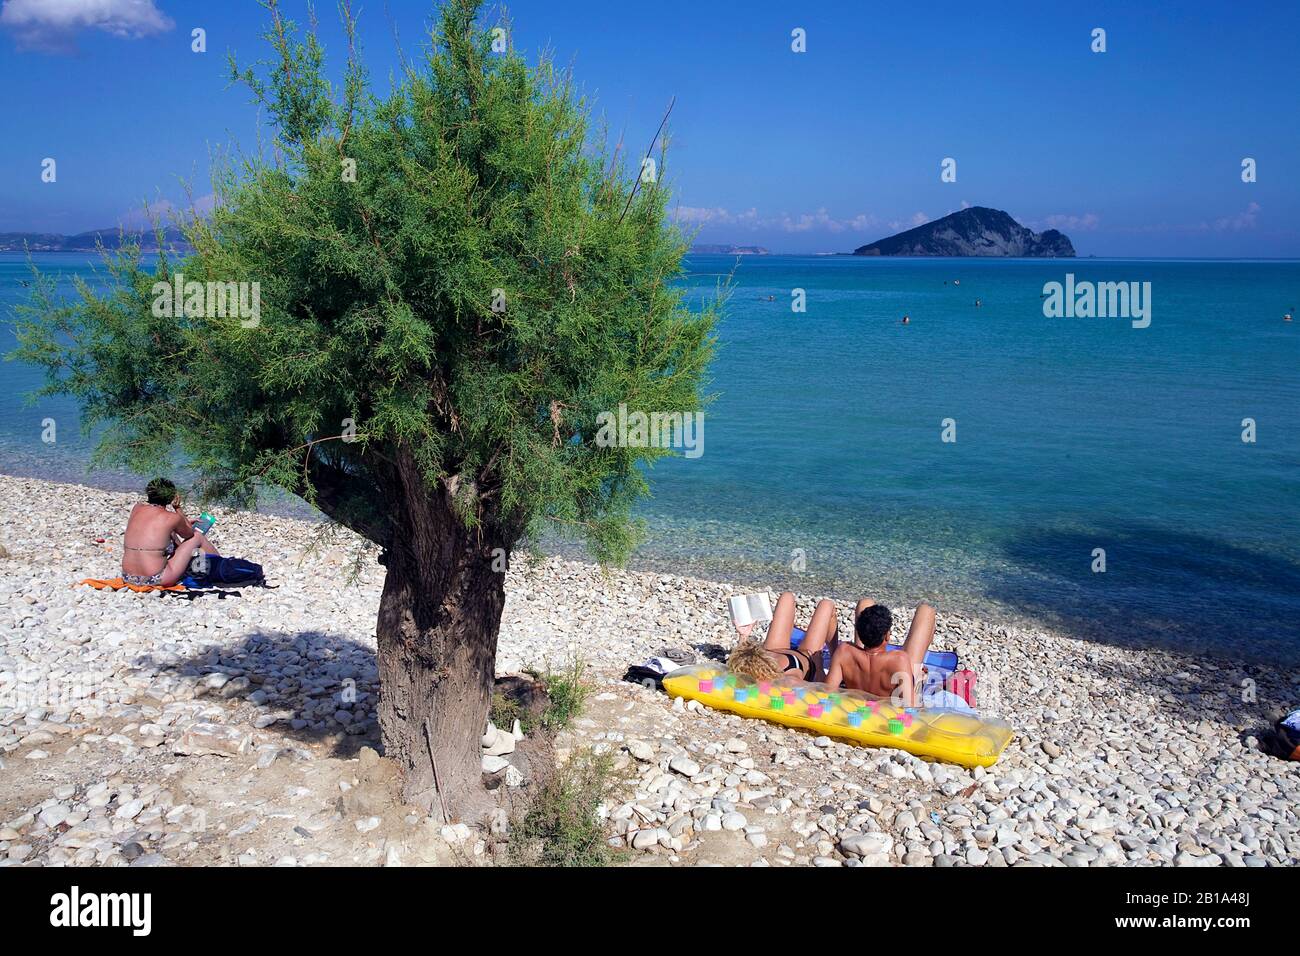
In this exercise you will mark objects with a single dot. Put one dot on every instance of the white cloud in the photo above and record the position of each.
(1242, 220)
(902, 225)
(823, 221)
(1246, 219)
(862, 222)
(166, 212)
(715, 215)
(808, 222)
(1068, 223)
(819, 221)
(52, 25)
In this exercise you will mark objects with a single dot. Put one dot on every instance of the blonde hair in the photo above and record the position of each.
(752, 659)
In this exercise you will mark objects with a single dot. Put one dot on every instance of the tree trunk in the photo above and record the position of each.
(437, 636)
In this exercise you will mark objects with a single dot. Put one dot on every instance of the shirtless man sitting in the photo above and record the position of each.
(159, 543)
(874, 669)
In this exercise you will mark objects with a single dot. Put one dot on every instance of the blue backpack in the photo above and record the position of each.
(216, 570)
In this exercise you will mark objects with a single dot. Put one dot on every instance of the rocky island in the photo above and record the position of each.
(977, 231)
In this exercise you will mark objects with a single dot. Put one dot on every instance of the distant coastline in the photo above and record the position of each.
(90, 241)
(725, 249)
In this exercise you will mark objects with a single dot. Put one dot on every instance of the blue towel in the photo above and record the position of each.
(941, 663)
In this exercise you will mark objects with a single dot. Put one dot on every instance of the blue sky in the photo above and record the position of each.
(1135, 151)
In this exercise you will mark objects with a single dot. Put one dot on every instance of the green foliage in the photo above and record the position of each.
(566, 693)
(560, 827)
(474, 173)
(503, 712)
(566, 696)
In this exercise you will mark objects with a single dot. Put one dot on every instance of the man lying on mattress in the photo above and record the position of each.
(866, 665)
(872, 667)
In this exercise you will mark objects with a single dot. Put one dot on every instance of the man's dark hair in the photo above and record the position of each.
(873, 624)
(160, 491)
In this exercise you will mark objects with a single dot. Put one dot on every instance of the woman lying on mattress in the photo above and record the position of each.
(775, 656)
(160, 541)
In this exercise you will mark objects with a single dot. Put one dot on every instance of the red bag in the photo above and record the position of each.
(962, 683)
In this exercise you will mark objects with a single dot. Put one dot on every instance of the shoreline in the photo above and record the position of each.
(1121, 756)
(715, 570)
(759, 574)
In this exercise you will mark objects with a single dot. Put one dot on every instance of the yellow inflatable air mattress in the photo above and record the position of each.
(850, 715)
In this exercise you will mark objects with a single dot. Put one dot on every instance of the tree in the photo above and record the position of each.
(452, 285)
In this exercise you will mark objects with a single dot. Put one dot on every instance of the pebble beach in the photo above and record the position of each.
(240, 730)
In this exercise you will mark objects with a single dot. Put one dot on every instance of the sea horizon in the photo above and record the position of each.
(850, 255)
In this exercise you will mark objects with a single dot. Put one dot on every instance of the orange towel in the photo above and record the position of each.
(116, 584)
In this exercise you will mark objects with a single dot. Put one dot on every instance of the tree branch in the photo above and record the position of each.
(637, 184)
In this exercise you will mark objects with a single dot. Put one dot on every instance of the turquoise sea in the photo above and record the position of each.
(823, 466)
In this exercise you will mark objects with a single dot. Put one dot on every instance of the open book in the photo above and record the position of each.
(750, 608)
